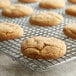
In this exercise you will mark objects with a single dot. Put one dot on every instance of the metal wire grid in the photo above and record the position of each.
(12, 47)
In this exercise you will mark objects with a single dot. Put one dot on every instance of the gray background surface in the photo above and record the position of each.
(8, 67)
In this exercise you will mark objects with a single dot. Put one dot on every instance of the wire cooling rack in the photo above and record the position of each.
(12, 47)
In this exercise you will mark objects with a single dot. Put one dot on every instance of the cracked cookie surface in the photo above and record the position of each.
(4, 3)
(43, 48)
(17, 10)
(46, 19)
(28, 1)
(10, 31)
(52, 4)
(70, 30)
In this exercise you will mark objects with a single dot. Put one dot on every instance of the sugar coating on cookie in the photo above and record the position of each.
(52, 4)
(17, 10)
(43, 48)
(71, 10)
(70, 30)
(28, 1)
(10, 31)
(72, 1)
(4, 3)
(46, 19)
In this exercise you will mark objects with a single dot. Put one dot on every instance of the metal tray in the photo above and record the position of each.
(12, 47)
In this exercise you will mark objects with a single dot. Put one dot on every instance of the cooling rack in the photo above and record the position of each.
(12, 47)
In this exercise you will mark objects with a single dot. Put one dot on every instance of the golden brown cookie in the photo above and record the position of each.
(17, 10)
(10, 31)
(46, 19)
(52, 4)
(70, 30)
(28, 1)
(43, 48)
(4, 3)
(71, 10)
(72, 1)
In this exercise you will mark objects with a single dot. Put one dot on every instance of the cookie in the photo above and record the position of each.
(52, 4)
(17, 10)
(70, 30)
(72, 1)
(28, 1)
(4, 3)
(10, 31)
(43, 48)
(46, 19)
(71, 10)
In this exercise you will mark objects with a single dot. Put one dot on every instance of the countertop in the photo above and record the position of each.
(8, 67)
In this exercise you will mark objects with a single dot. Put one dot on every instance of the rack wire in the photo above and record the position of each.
(12, 47)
